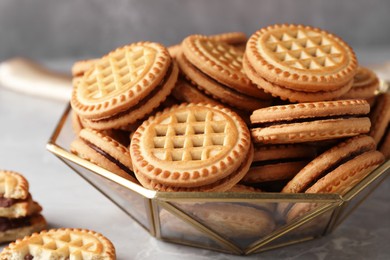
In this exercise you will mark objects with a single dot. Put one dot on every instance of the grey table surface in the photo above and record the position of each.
(69, 201)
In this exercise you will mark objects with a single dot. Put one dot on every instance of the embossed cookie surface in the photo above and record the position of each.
(120, 80)
(63, 243)
(313, 121)
(190, 145)
(301, 57)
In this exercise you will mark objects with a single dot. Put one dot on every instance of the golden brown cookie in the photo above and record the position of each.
(16, 228)
(365, 84)
(337, 170)
(13, 185)
(63, 243)
(125, 85)
(190, 147)
(308, 122)
(216, 69)
(237, 39)
(277, 163)
(299, 59)
(104, 151)
(380, 118)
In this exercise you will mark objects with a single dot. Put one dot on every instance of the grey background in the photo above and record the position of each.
(47, 29)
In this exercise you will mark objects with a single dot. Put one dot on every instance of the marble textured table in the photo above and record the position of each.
(68, 201)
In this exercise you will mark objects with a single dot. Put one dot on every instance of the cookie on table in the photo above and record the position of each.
(19, 214)
(191, 147)
(365, 85)
(124, 86)
(277, 163)
(299, 63)
(311, 121)
(104, 151)
(215, 68)
(15, 199)
(15, 228)
(380, 120)
(336, 170)
(63, 243)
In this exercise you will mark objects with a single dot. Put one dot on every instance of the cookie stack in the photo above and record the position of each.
(255, 116)
(19, 214)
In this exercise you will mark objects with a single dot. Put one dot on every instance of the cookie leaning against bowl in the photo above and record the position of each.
(103, 151)
(307, 122)
(299, 63)
(337, 170)
(216, 68)
(191, 147)
(63, 243)
(124, 86)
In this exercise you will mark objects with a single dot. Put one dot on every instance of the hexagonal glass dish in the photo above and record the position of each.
(200, 219)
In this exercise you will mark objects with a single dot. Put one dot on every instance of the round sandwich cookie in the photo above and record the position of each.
(337, 170)
(215, 68)
(312, 121)
(191, 147)
(104, 151)
(380, 120)
(299, 63)
(365, 84)
(125, 85)
(237, 39)
(63, 243)
(274, 164)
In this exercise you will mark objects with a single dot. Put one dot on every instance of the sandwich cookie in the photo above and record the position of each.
(104, 151)
(337, 170)
(191, 147)
(237, 39)
(308, 122)
(277, 164)
(380, 118)
(19, 214)
(299, 63)
(63, 243)
(365, 85)
(215, 68)
(124, 86)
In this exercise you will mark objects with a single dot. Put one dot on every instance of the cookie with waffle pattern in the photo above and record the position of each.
(191, 147)
(215, 68)
(124, 85)
(62, 243)
(301, 60)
